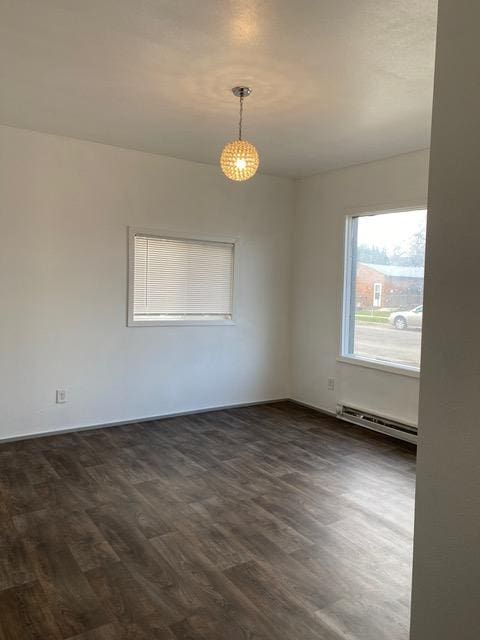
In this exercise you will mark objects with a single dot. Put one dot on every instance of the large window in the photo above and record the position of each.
(385, 256)
(179, 281)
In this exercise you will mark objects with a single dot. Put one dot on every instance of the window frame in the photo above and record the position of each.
(178, 235)
(345, 327)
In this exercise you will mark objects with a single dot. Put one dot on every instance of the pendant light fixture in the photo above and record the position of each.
(239, 159)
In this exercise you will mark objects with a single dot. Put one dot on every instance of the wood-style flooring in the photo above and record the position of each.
(269, 522)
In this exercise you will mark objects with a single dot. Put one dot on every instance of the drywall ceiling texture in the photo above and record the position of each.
(446, 579)
(322, 204)
(335, 83)
(65, 206)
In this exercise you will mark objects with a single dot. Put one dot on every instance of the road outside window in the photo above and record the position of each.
(384, 273)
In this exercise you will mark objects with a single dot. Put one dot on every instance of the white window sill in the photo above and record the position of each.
(396, 369)
(180, 323)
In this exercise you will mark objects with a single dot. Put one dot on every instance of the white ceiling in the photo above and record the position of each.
(335, 82)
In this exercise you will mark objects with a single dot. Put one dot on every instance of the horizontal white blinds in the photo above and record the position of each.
(186, 279)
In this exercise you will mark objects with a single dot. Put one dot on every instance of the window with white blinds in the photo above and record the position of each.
(177, 279)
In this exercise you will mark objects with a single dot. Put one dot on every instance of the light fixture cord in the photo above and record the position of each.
(241, 118)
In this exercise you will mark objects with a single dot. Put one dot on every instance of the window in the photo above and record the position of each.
(385, 257)
(174, 280)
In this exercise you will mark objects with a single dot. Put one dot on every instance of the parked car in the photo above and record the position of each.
(407, 319)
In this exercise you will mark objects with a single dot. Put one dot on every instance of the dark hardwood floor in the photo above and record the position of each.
(262, 523)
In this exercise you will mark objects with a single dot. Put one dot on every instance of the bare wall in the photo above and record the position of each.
(65, 206)
(446, 574)
(322, 203)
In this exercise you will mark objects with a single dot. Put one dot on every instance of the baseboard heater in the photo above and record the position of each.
(377, 423)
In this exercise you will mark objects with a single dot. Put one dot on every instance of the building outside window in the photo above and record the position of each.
(383, 296)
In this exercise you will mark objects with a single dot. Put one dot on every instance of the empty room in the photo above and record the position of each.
(239, 353)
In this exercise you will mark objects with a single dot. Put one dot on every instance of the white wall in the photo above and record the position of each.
(65, 206)
(446, 584)
(64, 209)
(323, 201)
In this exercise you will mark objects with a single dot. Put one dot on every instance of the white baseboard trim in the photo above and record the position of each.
(119, 423)
(327, 412)
(165, 416)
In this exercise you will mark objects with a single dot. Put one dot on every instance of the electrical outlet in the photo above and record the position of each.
(331, 384)
(61, 396)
